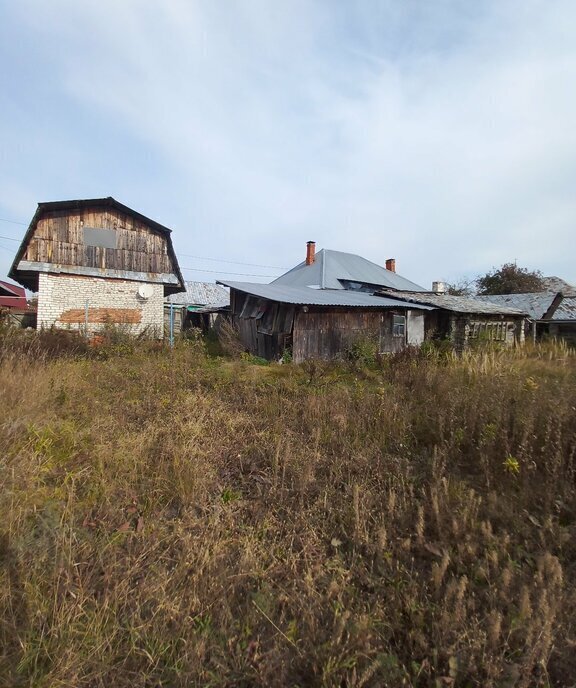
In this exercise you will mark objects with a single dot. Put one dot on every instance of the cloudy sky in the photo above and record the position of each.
(439, 133)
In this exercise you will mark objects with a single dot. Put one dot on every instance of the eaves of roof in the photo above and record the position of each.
(81, 204)
(306, 296)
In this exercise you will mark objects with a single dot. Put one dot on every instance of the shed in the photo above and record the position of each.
(95, 262)
(200, 305)
(319, 323)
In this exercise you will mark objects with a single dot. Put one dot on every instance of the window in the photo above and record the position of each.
(399, 326)
(489, 330)
(101, 238)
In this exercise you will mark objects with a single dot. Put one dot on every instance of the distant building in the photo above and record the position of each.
(95, 262)
(199, 306)
(550, 313)
(14, 308)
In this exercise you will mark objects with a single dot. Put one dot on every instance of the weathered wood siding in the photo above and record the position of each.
(59, 239)
(327, 334)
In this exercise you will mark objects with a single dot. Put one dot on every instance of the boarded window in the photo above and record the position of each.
(102, 238)
(399, 326)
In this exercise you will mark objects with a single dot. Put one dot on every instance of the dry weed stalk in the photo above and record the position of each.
(171, 520)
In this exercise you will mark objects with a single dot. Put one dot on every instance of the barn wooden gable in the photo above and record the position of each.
(100, 238)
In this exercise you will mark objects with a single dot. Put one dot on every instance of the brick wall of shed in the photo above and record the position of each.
(62, 302)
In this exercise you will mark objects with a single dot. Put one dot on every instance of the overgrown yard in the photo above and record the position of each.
(169, 519)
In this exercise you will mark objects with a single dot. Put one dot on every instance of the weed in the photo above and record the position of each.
(172, 519)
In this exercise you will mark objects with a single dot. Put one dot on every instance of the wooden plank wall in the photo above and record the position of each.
(59, 238)
(326, 334)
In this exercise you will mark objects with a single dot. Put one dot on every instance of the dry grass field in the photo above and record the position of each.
(173, 519)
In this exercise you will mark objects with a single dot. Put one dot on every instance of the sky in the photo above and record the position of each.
(442, 134)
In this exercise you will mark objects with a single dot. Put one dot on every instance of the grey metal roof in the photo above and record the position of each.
(330, 267)
(458, 304)
(566, 309)
(557, 284)
(318, 297)
(201, 294)
(535, 304)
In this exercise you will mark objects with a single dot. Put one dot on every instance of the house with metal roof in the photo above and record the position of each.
(550, 313)
(14, 308)
(95, 262)
(328, 269)
(319, 308)
(465, 319)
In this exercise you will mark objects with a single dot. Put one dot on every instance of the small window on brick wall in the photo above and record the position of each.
(101, 238)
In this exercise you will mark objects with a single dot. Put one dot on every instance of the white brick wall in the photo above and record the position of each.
(58, 294)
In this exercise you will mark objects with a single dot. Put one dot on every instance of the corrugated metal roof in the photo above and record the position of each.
(535, 304)
(12, 296)
(566, 309)
(201, 294)
(305, 296)
(458, 304)
(330, 267)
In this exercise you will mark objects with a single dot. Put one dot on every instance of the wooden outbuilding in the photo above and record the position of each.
(322, 324)
(96, 262)
(466, 319)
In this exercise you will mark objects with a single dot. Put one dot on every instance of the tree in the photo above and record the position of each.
(462, 287)
(509, 279)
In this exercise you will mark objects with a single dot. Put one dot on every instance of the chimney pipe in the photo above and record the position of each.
(391, 264)
(310, 252)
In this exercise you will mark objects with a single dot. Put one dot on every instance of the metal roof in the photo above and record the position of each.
(557, 284)
(458, 304)
(566, 309)
(12, 296)
(201, 294)
(306, 296)
(329, 267)
(535, 304)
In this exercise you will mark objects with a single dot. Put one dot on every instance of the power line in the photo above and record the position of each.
(234, 262)
(188, 255)
(221, 272)
(13, 222)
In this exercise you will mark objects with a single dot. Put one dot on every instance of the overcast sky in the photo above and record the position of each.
(441, 133)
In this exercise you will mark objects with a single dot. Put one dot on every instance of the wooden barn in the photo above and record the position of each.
(317, 323)
(96, 262)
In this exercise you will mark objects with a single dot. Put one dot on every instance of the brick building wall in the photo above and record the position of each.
(62, 302)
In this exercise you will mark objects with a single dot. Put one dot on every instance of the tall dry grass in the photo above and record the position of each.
(167, 519)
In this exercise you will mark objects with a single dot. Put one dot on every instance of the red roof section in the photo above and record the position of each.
(12, 296)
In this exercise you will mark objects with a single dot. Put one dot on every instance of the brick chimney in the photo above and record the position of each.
(310, 252)
(391, 264)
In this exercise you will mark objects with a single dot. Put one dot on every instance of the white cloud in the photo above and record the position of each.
(440, 133)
